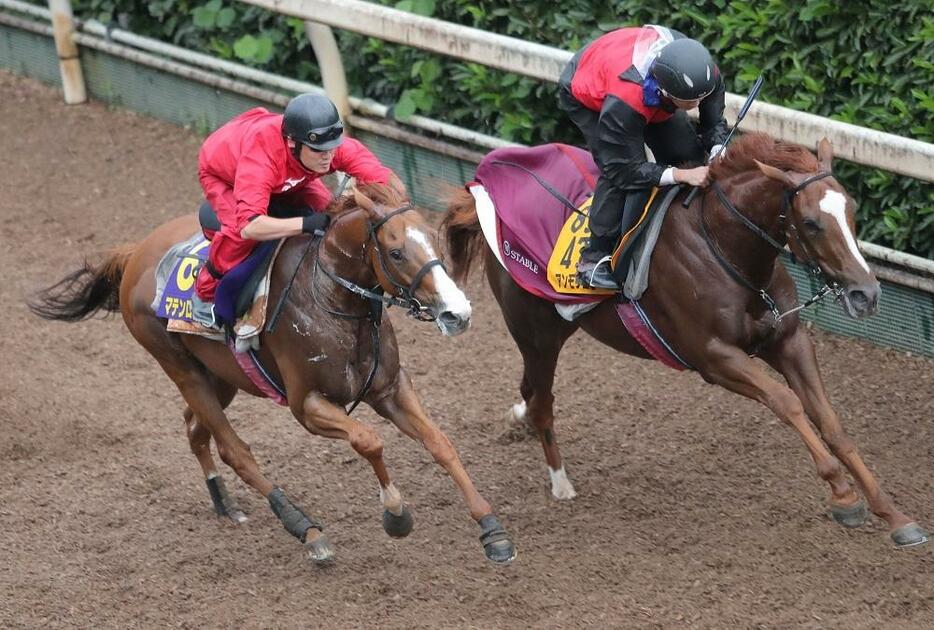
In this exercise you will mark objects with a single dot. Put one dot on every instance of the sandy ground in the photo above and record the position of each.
(696, 508)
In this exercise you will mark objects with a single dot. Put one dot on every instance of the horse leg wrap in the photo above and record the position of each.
(491, 530)
(293, 519)
(219, 496)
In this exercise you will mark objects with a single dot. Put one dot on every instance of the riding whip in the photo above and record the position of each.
(753, 93)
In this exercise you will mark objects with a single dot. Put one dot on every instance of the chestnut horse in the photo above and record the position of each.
(718, 295)
(323, 349)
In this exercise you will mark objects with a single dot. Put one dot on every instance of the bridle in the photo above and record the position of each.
(375, 297)
(787, 226)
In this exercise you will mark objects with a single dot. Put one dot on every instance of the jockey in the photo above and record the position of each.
(629, 88)
(258, 158)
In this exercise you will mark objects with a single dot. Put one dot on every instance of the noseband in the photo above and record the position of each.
(375, 297)
(812, 267)
(404, 293)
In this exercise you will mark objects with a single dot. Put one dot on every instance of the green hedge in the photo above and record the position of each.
(870, 63)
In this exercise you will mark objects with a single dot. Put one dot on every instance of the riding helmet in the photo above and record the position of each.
(685, 70)
(312, 120)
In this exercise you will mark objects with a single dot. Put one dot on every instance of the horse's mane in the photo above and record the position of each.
(382, 194)
(741, 156)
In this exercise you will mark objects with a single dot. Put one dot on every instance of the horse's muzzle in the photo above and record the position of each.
(451, 324)
(862, 300)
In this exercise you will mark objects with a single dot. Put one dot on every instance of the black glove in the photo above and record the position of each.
(315, 223)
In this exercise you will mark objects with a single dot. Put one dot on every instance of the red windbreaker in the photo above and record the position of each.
(246, 161)
(616, 64)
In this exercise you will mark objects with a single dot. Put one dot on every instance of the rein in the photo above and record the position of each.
(375, 297)
(777, 315)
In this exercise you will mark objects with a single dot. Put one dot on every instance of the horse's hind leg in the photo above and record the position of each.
(199, 439)
(540, 334)
(405, 411)
(794, 357)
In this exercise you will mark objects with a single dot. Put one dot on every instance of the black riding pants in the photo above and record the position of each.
(614, 210)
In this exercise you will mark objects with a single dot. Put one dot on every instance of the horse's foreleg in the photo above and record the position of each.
(794, 357)
(733, 370)
(404, 409)
(324, 418)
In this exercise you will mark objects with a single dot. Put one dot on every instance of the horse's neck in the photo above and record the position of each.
(345, 250)
(759, 199)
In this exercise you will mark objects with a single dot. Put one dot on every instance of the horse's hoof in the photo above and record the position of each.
(852, 516)
(516, 426)
(910, 535)
(561, 487)
(398, 526)
(236, 516)
(319, 550)
(501, 552)
(497, 545)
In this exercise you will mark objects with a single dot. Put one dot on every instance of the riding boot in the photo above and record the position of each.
(203, 313)
(593, 268)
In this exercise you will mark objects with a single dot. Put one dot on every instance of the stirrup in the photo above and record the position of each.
(606, 281)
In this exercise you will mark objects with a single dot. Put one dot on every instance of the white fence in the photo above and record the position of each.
(856, 144)
(489, 49)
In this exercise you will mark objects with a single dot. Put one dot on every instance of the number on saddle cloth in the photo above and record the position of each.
(177, 271)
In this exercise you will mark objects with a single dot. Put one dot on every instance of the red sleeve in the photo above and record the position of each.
(355, 159)
(256, 175)
(316, 195)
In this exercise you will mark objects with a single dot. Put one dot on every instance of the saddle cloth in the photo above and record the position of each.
(533, 204)
(175, 281)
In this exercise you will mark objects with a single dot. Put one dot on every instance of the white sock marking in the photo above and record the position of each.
(518, 410)
(561, 486)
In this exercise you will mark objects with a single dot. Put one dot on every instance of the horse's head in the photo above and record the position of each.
(402, 256)
(820, 227)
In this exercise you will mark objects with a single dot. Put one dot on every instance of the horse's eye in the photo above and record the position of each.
(395, 254)
(811, 225)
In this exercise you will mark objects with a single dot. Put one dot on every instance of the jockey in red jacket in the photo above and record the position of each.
(258, 158)
(629, 88)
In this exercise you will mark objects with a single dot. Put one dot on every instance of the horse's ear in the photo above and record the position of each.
(824, 155)
(363, 201)
(372, 208)
(776, 173)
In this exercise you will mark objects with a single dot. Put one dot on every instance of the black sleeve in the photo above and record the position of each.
(712, 125)
(621, 147)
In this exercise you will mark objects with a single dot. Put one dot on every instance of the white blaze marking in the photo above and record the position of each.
(561, 486)
(834, 204)
(452, 298)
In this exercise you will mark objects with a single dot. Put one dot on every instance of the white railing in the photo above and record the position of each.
(856, 144)
(111, 41)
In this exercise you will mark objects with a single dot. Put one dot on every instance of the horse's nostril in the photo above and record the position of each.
(449, 319)
(858, 299)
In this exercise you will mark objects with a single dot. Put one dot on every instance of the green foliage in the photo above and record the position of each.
(870, 63)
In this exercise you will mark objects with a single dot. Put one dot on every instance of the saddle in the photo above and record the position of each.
(241, 297)
(533, 207)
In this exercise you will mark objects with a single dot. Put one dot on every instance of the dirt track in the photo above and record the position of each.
(696, 508)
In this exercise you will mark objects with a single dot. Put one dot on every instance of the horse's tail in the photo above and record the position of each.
(84, 292)
(462, 233)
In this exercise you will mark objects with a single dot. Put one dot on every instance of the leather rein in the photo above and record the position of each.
(376, 298)
(810, 265)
